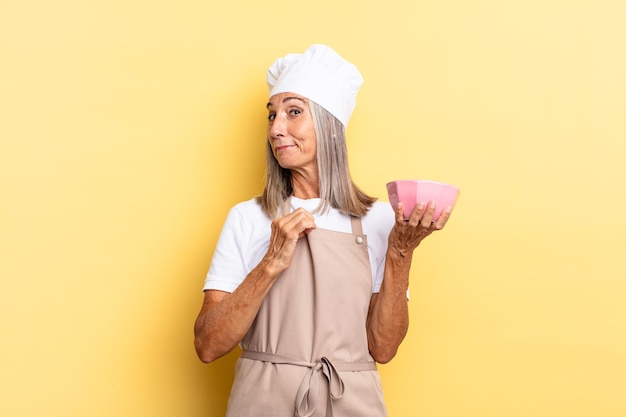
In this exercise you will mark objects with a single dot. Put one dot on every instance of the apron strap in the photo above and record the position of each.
(306, 398)
(357, 227)
(286, 208)
(355, 222)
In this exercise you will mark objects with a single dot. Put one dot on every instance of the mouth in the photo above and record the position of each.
(280, 148)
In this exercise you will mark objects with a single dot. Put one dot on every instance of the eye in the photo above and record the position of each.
(295, 112)
(271, 116)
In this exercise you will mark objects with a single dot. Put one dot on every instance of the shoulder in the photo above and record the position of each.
(379, 219)
(381, 211)
(244, 220)
(248, 207)
(242, 243)
(249, 210)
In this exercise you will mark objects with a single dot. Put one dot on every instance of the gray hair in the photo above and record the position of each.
(336, 187)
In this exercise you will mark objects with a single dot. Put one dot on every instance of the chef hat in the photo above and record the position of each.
(321, 75)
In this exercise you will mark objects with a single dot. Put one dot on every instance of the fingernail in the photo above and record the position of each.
(432, 204)
(420, 205)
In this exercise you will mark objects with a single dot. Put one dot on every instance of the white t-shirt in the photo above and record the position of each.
(245, 238)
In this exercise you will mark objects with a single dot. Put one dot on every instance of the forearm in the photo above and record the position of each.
(388, 317)
(226, 318)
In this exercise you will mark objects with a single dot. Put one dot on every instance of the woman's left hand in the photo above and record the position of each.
(406, 235)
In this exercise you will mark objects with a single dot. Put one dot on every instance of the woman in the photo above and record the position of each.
(310, 278)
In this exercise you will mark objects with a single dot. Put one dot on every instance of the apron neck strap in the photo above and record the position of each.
(286, 209)
(357, 227)
(355, 222)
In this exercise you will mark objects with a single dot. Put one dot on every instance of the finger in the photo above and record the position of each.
(305, 232)
(299, 221)
(399, 212)
(417, 214)
(443, 218)
(286, 231)
(427, 217)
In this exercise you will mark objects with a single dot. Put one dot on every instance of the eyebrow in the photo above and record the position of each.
(287, 99)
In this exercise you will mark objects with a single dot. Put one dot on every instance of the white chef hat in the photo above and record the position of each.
(321, 75)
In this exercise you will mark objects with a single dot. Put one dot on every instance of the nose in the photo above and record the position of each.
(277, 127)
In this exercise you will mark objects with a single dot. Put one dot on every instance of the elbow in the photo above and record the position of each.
(204, 351)
(384, 347)
(205, 357)
(383, 356)
(210, 346)
(204, 345)
(208, 352)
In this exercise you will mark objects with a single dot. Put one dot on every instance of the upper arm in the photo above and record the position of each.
(212, 298)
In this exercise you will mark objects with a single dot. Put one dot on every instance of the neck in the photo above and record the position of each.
(304, 185)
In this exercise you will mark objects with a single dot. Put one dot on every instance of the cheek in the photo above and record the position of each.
(308, 132)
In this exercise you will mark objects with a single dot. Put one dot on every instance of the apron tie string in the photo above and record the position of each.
(306, 398)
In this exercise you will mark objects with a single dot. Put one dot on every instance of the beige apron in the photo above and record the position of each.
(306, 353)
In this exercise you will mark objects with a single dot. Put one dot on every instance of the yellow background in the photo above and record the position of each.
(129, 128)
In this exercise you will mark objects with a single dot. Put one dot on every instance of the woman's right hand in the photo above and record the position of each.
(286, 231)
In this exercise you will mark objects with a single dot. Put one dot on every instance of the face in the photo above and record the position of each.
(291, 132)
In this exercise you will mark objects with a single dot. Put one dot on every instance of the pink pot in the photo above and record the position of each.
(411, 192)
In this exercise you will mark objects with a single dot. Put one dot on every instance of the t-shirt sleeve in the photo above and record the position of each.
(383, 222)
(229, 265)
